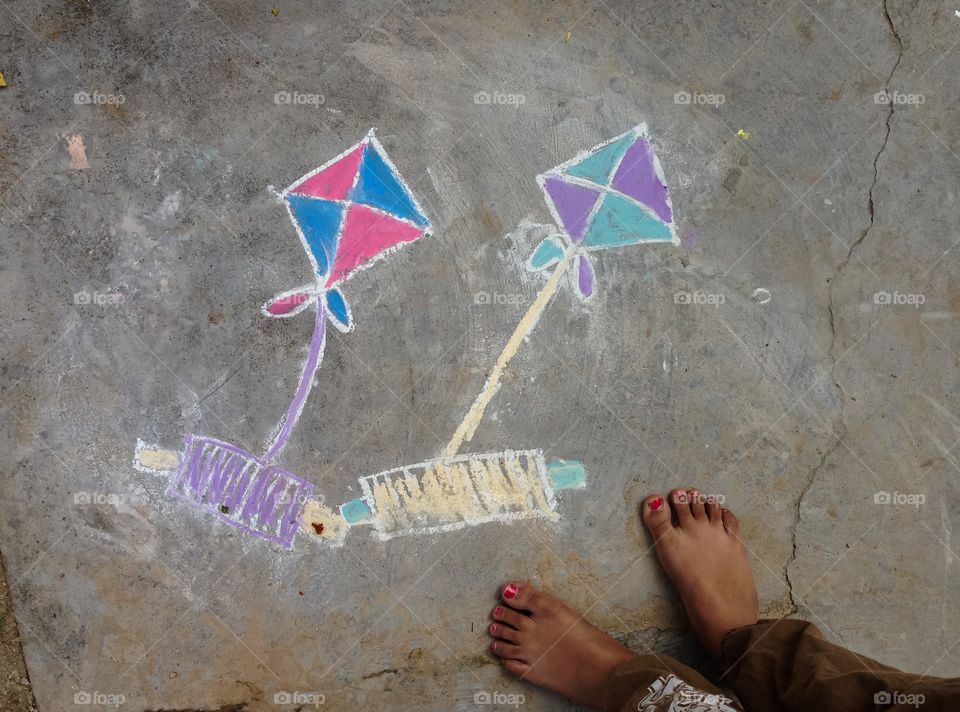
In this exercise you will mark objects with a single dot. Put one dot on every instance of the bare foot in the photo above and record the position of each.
(543, 641)
(704, 557)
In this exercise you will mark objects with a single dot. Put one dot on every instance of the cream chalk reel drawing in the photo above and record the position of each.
(613, 195)
(453, 493)
(349, 213)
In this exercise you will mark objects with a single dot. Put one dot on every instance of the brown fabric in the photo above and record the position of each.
(788, 665)
(779, 666)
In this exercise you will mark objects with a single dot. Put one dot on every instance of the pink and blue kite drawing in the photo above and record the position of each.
(349, 213)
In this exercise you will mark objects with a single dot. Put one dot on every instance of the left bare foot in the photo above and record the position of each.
(543, 641)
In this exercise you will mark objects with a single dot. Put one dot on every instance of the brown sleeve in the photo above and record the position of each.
(788, 665)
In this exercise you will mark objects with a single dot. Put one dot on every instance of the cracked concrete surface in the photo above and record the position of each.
(801, 409)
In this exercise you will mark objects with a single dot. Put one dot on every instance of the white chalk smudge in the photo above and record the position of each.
(761, 295)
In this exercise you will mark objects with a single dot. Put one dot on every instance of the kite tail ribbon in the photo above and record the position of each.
(314, 358)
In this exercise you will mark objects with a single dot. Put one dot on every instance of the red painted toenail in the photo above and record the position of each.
(510, 591)
(497, 611)
(656, 504)
(493, 628)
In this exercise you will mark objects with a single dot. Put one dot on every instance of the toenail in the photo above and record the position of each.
(656, 504)
(510, 591)
(680, 497)
(497, 611)
(493, 627)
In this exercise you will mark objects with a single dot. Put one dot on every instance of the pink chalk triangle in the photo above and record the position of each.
(334, 181)
(367, 233)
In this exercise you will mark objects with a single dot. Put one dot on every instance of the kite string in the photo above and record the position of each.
(526, 325)
(314, 358)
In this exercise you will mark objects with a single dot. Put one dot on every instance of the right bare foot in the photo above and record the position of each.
(704, 557)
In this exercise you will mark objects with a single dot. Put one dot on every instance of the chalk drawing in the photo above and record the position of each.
(348, 213)
(452, 493)
(613, 195)
(240, 489)
(435, 496)
(351, 212)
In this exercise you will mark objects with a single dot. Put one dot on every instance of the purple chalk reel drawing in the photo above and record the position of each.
(349, 213)
(241, 489)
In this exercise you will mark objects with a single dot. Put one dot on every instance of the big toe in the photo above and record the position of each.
(523, 596)
(656, 515)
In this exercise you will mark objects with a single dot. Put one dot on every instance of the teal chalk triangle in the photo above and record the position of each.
(620, 221)
(598, 166)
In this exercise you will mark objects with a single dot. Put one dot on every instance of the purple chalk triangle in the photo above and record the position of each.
(573, 204)
(637, 178)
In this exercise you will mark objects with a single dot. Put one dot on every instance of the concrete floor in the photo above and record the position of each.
(799, 403)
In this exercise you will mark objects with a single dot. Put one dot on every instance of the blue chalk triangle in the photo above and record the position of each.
(320, 222)
(620, 221)
(598, 166)
(339, 309)
(379, 186)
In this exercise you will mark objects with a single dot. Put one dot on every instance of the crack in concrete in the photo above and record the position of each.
(871, 206)
(797, 518)
(838, 272)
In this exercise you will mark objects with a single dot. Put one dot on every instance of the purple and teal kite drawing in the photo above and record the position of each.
(349, 213)
(613, 195)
